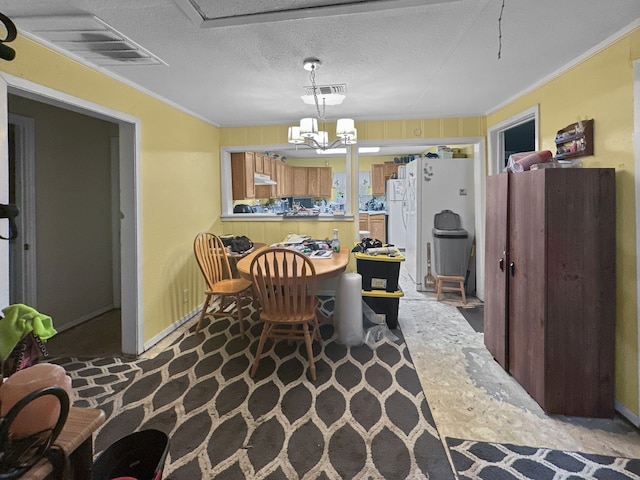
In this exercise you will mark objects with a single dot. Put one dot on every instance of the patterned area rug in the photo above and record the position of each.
(365, 417)
(495, 461)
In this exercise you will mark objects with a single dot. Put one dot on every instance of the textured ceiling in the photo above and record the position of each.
(399, 59)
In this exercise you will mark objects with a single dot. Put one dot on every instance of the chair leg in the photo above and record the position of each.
(316, 330)
(464, 297)
(205, 307)
(239, 309)
(263, 339)
(307, 341)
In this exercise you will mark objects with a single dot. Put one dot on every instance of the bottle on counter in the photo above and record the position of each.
(335, 243)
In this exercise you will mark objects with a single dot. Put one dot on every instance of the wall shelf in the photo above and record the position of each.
(575, 140)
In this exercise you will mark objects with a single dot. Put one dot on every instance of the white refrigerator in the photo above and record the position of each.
(395, 206)
(433, 185)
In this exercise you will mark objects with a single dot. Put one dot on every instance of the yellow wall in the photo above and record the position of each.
(179, 169)
(602, 88)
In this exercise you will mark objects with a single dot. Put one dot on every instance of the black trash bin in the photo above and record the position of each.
(140, 455)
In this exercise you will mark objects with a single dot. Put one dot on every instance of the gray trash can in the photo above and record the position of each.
(450, 244)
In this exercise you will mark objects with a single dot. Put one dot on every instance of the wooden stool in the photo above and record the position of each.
(451, 279)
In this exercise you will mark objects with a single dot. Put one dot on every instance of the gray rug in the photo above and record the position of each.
(495, 461)
(474, 316)
(365, 417)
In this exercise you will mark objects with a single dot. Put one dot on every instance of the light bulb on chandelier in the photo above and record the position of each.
(307, 133)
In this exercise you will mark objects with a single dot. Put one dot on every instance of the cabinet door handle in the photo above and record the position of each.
(512, 268)
(501, 264)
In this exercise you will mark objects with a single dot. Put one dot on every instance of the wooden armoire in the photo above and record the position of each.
(550, 285)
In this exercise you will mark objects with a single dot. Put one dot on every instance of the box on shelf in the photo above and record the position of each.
(379, 272)
(384, 303)
(445, 152)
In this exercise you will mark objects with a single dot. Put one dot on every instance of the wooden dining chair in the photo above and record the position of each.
(211, 256)
(285, 283)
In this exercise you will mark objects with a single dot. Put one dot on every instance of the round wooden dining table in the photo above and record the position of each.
(325, 267)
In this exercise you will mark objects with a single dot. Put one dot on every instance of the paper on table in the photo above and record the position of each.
(295, 238)
(321, 254)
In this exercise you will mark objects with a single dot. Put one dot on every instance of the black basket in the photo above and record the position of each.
(384, 304)
(140, 455)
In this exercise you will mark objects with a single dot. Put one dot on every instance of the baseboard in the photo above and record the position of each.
(172, 328)
(628, 414)
(83, 318)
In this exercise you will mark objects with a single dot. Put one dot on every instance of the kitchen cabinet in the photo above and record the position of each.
(376, 226)
(380, 173)
(550, 285)
(258, 162)
(242, 172)
(377, 179)
(319, 181)
(278, 174)
(267, 165)
(364, 222)
(299, 178)
(374, 223)
(390, 171)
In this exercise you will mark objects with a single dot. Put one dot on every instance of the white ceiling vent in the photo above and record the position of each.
(88, 37)
(327, 94)
(338, 89)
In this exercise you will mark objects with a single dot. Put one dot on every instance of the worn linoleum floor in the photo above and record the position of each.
(472, 397)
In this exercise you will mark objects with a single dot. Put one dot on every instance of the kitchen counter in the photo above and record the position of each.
(373, 212)
(271, 217)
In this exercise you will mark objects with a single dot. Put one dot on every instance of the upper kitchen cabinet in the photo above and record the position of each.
(258, 162)
(377, 179)
(319, 181)
(299, 179)
(242, 173)
(278, 174)
(380, 173)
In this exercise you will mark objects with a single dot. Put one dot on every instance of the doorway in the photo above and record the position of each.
(22, 250)
(126, 129)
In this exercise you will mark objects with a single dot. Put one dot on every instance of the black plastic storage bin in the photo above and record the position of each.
(384, 303)
(140, 455)
(379, 272)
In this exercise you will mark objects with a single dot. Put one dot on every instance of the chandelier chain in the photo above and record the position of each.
(312, 76)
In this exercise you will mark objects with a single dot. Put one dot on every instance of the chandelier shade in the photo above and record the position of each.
(294, 136)
(308, 127)
(308, 133)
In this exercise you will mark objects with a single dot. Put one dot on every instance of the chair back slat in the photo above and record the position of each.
(211, 256)
(285, 281)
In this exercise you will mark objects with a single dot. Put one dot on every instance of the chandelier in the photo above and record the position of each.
(307, 133)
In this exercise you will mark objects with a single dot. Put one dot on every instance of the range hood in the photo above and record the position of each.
(261, 179)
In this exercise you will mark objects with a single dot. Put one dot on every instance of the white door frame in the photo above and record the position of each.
(23, 250)
(495, 134)
(130, 201)
(636, 144)
(4, 195)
